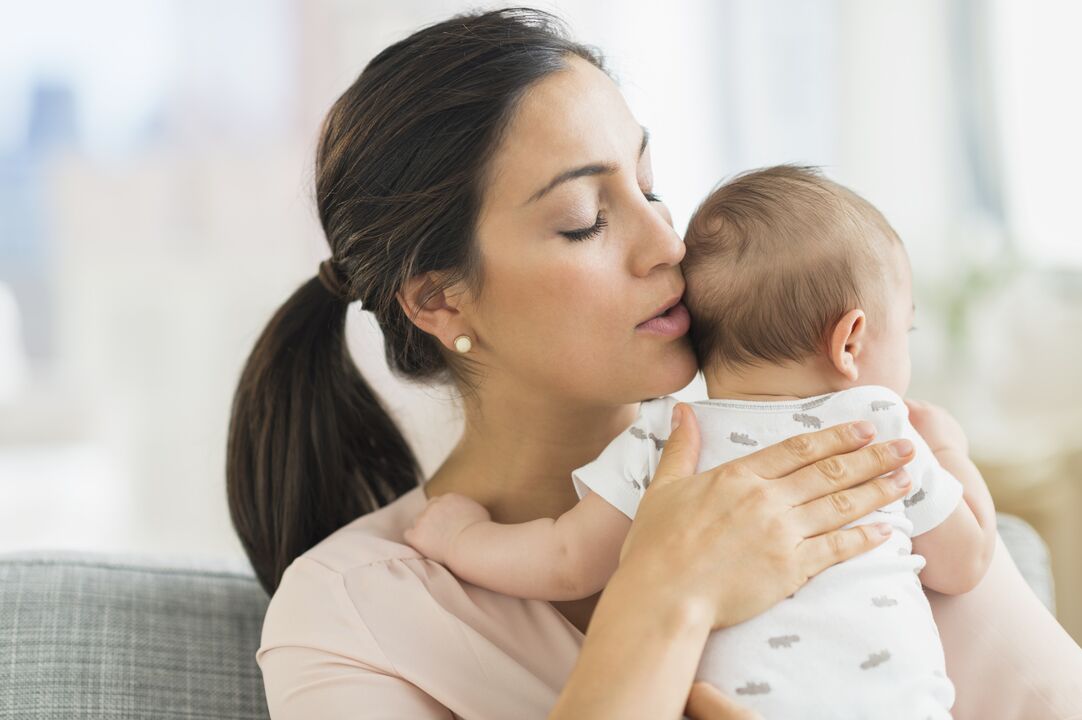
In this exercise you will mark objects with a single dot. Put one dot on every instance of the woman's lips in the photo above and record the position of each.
(674, 322)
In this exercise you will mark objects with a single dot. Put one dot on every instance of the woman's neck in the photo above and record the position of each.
(516, 456)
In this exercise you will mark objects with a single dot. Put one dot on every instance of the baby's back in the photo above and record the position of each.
(857, 640)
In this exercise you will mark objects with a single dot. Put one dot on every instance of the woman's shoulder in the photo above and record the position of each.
(315, 599)
(363, 610)
(375, 537)
(337, 636)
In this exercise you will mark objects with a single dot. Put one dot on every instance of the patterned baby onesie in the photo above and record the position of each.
(858, 640)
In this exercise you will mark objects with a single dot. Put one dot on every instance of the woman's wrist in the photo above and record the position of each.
(641, 651)
(654, 587)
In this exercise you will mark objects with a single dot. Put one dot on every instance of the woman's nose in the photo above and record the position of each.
(657, 242)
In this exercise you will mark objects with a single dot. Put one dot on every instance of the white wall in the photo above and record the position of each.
(173, 245)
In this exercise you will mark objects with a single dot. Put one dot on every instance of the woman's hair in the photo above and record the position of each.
(400, 171)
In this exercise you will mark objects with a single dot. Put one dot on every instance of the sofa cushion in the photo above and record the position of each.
(101, 636)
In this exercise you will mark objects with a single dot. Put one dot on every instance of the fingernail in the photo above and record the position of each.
(901, 448)
(675, 418)
(900, 478)
(863, 429)
(884, 528)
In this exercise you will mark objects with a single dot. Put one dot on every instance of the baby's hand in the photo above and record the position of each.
(938, 428)
(444, 517)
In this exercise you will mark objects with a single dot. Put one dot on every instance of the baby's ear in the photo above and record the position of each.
(847, 343)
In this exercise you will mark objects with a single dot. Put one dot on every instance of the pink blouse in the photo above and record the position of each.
(364, 627)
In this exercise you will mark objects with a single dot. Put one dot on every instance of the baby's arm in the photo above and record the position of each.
(566, 558)
(959, 550)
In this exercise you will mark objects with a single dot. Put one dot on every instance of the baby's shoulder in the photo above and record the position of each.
(655, 416)
(875, 403)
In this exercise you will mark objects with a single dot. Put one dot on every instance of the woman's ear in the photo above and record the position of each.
(434, 311)
(847, 342)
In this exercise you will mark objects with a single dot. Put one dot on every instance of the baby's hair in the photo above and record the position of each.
(775, 257)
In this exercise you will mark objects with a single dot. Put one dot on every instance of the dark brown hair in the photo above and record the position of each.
(400, 171)
(775, 257)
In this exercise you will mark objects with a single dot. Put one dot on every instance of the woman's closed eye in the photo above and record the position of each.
(592, 231)
(587, 232)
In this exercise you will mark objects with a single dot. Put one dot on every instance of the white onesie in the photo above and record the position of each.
(858, 640)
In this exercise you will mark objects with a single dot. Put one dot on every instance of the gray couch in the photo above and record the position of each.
(87, 635)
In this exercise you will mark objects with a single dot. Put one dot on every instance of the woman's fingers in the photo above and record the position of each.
(706, 702)
(820, 552)
(788, 456)
(839, 472)
(680, 456)
(839, 508)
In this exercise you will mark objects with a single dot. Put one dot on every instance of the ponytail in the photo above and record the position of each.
(310, 446)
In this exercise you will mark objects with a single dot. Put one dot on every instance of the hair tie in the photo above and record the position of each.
(328, 278)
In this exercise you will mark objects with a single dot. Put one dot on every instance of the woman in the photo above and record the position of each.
(487, 194)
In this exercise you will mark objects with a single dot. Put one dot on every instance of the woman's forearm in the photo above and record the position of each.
(641, 652)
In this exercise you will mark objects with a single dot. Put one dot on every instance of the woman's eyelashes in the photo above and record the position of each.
(586, 233)
(599, 223)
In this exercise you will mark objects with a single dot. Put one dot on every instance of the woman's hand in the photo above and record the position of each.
(735, 540)
(713, 549)
(444, 517)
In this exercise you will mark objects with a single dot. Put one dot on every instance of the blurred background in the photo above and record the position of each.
(156, 208)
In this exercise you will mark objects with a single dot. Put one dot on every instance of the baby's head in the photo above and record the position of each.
(796, 286)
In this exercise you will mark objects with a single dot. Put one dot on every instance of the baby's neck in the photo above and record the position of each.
(771, 382)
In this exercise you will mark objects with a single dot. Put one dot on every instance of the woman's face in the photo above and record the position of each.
(576, 254)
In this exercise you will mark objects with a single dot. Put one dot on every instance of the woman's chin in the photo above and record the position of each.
(673, 372)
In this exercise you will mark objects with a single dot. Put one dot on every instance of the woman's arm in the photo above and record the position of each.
(751, 532)
(362, 693)
(640, 654)
(319, 657)
(566, 558)
(1006, 654)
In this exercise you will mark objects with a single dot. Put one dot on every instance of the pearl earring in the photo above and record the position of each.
(463, 344)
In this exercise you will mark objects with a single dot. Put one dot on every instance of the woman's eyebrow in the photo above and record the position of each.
(586, 170)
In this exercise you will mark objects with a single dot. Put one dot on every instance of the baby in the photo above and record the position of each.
(801, 302)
